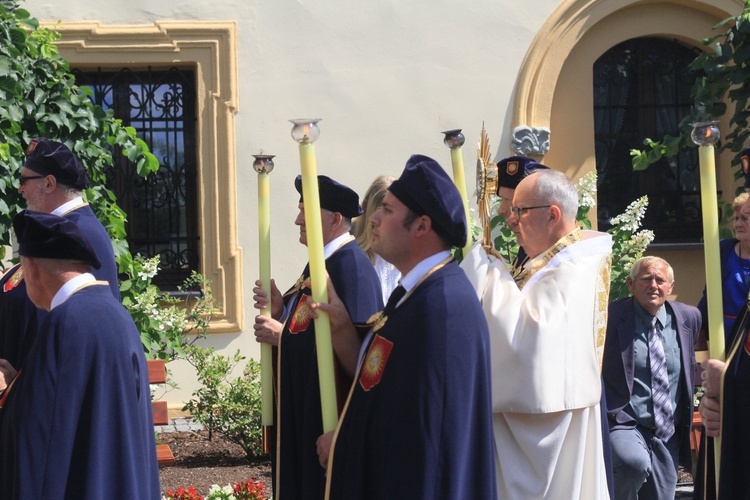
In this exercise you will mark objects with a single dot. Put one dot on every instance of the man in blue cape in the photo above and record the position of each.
(418, 423)
(76, 421)
(725, 411)
(299, 420)
(52, 180)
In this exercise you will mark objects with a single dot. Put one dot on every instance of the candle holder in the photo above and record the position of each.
(454, 139)
(705, 133)
(305, 130)
(263, 164)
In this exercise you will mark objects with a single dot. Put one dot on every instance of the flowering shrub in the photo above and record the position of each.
(164, 322)
(225, 405)
(248, 490)
(629, 242)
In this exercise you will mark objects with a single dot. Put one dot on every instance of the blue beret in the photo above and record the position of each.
(745, 160)
(513, 169)
(47, 157)
(334, 196)
(426, 189)
(48, 236)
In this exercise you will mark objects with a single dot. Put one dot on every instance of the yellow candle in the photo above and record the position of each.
(318, 285)
(713, 267)
(711, 250)
(459, 179)
(264, 256)
(454, 139)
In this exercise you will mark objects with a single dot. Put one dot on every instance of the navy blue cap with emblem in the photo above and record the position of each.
(745, 161)
(334, 196)
(47, 157)
(426, 189)
(48, 236)
(512, 170)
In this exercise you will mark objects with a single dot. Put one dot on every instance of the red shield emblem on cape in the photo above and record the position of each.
(14, 280)
(375, 361)
(745, 163)
(511, 168)
(7, 389)
(301, 318)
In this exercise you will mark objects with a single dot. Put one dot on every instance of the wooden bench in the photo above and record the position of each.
(157, 374)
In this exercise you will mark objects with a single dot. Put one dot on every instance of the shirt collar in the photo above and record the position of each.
(411, 279)
(67, 206)
(335, 244)
(646, 317)
(69, 288)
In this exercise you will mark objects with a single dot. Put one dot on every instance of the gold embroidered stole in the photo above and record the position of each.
(532, 266)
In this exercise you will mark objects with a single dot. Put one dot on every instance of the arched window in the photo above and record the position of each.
(642, 90)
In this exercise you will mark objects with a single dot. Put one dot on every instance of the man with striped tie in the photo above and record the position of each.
(648, 368)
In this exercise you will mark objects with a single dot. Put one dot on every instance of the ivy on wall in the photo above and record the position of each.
(39, 98)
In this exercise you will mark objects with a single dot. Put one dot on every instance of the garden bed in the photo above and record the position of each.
(202, 463)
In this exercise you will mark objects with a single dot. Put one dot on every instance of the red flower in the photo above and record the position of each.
(249, 490)
(183, 494)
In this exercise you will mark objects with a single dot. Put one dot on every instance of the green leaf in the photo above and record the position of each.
(8, 84)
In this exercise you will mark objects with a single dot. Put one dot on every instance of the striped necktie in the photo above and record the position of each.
(663, 417)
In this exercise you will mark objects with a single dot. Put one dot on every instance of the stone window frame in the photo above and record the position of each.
(210, 49)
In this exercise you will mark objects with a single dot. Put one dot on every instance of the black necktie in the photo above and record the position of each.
(396, 295)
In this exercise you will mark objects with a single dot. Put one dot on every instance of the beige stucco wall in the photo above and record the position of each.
(388, 77)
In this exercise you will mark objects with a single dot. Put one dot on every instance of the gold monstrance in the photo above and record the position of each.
(486, 187)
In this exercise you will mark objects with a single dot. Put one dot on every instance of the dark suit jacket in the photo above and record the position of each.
(618, 366)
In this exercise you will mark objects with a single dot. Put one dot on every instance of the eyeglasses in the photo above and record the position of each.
(517, 211)
(30, 177)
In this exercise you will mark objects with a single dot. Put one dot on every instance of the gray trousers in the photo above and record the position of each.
(643, 466)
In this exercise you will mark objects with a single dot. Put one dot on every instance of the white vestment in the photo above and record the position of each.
(547, 340)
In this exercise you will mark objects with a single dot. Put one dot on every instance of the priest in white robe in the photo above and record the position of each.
(547, 325)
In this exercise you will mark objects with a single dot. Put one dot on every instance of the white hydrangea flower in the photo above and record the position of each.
(149, 268)
(640, 240)
(587, 190)
(630, 219)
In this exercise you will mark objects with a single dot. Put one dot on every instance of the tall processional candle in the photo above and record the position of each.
(454, 139)
(705, 135)
(305, 132)
(263, 164)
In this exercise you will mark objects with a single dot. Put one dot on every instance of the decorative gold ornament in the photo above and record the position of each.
(486, 188)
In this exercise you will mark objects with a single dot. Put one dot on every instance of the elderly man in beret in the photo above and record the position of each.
(299, 475)
(417, 422)
(547, 337)
(76, 421)
(51, 181)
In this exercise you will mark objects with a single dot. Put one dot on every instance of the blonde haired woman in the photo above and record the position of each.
(735, 271)
(362, 230)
